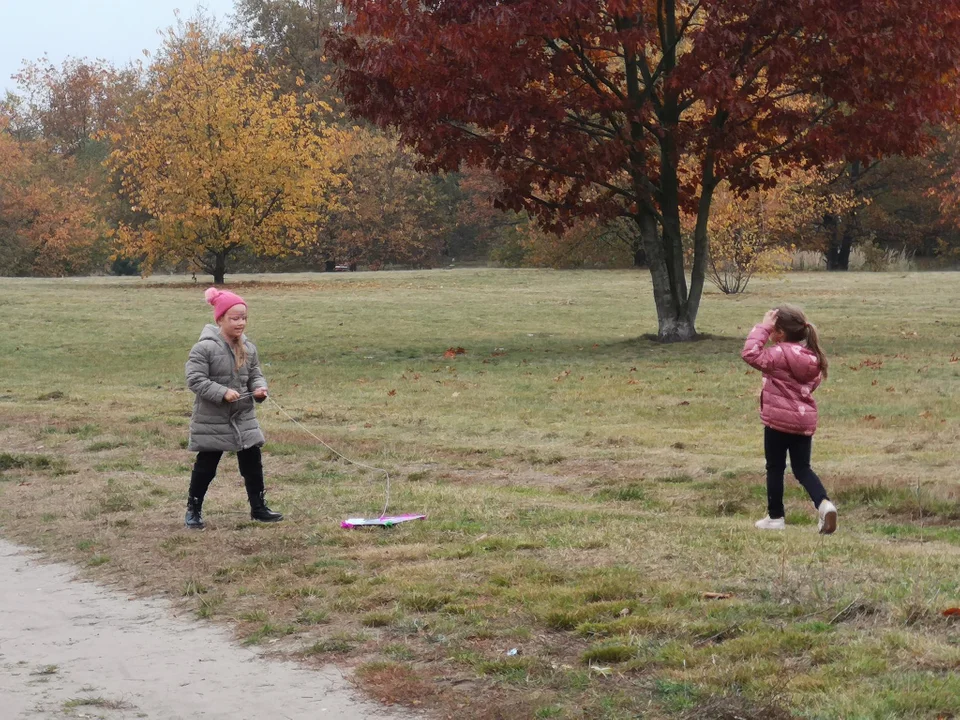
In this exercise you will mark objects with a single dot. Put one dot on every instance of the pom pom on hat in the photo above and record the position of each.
(222, 300)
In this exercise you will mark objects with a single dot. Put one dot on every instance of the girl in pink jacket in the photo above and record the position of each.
(792, 366)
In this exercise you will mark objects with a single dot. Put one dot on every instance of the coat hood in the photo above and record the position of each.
(212, 332)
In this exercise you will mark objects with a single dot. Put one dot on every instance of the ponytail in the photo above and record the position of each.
(813, 342)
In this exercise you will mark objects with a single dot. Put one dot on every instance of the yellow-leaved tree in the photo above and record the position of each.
(754, 233)
(219, 158)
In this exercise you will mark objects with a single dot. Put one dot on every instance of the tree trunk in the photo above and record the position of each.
(639, 256)
(701, 238)
(838, 253)
(329, 265)
(676, 314)
(844, 228)
(219, 267)
(674, 321)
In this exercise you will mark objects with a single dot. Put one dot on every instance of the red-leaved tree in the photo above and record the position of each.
(600, 108)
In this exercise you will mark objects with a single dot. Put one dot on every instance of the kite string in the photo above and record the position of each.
(386, 503)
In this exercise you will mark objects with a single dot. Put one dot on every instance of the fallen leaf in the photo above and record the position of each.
(951, 612)
(717, 596)
(685, 402)
(456, 394)
(624, 612)
(869, 417)
(392, 393)
(633, 382)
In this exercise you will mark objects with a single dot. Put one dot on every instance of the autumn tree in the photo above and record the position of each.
(72, 104)
(291, 35)
(753, 232)
(415, 226)
(219, 158)
(640, 109)
(387, 212)
(941, 186)
(48, 221)
(67, 111)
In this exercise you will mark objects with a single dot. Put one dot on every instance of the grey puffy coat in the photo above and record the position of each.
(211, 371)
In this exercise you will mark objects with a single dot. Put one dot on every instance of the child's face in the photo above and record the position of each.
(233, 322)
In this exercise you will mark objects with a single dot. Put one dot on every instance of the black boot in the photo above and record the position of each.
(194, 518)
(260, 511)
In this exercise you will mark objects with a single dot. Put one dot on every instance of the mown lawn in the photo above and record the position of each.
(588, 490)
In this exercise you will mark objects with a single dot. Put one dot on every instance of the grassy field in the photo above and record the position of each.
(591, 494)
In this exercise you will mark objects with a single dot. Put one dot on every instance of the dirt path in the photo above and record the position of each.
(73, 649)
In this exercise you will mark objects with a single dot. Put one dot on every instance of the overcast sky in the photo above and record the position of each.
(115, 30)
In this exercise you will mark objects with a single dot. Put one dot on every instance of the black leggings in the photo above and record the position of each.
(776, 445)
(205, 470)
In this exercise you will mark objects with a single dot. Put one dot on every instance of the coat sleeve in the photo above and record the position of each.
(255, 379)
(198, 376)
(755, 354)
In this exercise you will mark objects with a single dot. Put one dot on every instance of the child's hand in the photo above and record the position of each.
(260, 393)
(231, 396)
(770, 319)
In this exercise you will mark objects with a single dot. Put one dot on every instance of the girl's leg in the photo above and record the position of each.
(775, 444)
(801, 447)
(204, 471)
(251, 468)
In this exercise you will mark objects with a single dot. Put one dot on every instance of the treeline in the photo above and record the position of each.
(232, 149)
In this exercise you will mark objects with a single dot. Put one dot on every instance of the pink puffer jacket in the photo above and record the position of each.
(791, 372)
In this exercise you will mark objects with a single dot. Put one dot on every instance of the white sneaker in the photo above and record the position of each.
(828, 517)
(769, 524)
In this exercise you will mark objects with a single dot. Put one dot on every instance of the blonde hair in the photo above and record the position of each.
(240, 353)
(795, 328)
(239, 349)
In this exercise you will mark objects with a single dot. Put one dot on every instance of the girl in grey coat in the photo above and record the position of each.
(223, 371)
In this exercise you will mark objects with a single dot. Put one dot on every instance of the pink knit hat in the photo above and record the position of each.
(222, 300)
